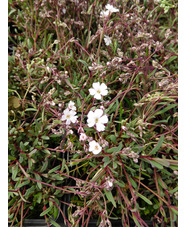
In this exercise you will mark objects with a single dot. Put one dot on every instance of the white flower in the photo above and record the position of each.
(97, 118)
(107, 40)
(64, 10)
(98, 90)
(104, 13)
(69, 116)
(83, 137)
(71, 105)
(94, 147)
(111, 9)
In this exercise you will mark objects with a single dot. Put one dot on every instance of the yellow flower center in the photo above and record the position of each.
(96, 147)
(96, 120)
(68, 116)
(98, 91)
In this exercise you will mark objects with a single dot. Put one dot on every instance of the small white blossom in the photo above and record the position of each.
(111, 8)
(71, 105)
(104, 13)
(97, 118)
(94, 147)
(64, 10)
(107, 40)
(124, 128)
(98, 90)
(69, 116)
(110, 183)
(83, 137)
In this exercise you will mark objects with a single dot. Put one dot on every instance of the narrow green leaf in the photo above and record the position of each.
(170, 60)
(37, 176)
(22, 146)
(173, 190)
(45, 137)
(144, 198)
(115, 149)
(54, 169)
(120, 183)
(46, 211)
(157, 147)
(113, 139)
(135, 220)
(174, 210)
(134, 184)
(11, 157)
(54, 223)
(161, 161)
(63, 165)
(155, 164)
(24, 183)
(31, 109)
(44, 166)
(14, 171)
(171, 106)
(106, 159)
(110, 197)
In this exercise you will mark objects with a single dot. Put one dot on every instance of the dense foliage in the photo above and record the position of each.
(93, 111)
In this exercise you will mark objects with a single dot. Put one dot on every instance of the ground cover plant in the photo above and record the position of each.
(93, 111)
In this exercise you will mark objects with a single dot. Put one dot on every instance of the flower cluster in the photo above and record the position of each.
(95, 118)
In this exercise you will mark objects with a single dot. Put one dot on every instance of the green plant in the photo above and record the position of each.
(93, 111)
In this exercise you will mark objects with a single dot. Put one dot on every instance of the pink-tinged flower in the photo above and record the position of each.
(107, 40)
(97, 118)
(94, 147)
(71, 105)
(83, 137)
(69, 116)
(98, 90)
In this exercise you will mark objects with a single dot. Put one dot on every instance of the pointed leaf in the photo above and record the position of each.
(110, 197)
(157, 147)
(144, 198)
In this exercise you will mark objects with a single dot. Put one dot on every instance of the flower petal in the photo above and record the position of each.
(100, 127)
(90, 123)
(92, 145)
(103, 86)
(103, 119)
(98, 113)
(96, 85)
(66, 111)
(63, 118)
(68, 121)
(73, 119)
(92, 91)
(90, 114)
(104, 92)
(97, 96)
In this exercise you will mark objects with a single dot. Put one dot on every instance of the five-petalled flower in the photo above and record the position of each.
(98, 90)
(94, 147)
(82, 137)
(69, 116)
(97, 118)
